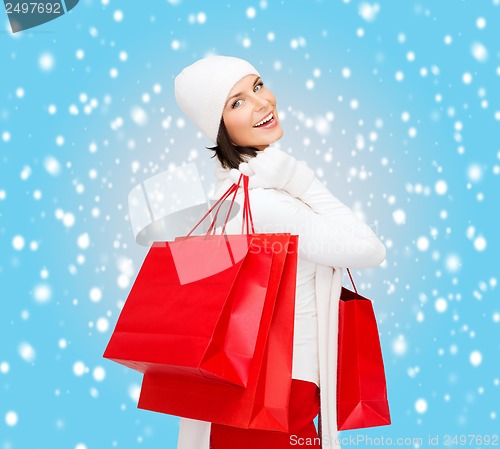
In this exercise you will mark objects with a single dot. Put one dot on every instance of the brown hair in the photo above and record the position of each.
(230, 155)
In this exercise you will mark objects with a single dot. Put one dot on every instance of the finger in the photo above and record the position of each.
(257, 163)
(234, 175)
(252, 182)
(279, 153)
(245, 169)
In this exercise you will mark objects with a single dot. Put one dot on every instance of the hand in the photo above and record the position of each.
(270, 169)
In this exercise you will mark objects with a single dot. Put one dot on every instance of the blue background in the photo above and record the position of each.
(87, 111)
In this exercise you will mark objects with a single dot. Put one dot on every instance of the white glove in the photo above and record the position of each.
(275, 169)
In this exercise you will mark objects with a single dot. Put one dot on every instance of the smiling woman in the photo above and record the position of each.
(226, 99)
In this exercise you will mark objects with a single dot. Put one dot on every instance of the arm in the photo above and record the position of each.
(330, 233)
(291, 199)
(339, 239)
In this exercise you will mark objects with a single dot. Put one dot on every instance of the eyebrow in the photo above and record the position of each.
(241, 93)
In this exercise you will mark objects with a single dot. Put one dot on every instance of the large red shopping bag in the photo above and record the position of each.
(193, 327)
(361, 385)
(263, 404)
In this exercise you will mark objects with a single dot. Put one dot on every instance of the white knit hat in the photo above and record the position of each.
(201, 89)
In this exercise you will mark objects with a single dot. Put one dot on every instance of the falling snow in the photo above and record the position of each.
(397, 124)
(421, 406)
(475, 358)
(11, 418)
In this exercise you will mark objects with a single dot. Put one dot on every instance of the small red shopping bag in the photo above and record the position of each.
(263, 404)
(179, 324)
(361, 385)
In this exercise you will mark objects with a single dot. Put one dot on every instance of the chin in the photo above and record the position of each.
(278, 136)
(275, 140)
(268, 141)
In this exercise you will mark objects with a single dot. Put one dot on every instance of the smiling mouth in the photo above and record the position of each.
(265, 121)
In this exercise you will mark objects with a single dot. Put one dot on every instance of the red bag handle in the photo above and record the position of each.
(232, 189)
(247, 214)
(352, 282)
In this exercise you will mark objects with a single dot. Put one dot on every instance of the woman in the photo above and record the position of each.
(226, 98)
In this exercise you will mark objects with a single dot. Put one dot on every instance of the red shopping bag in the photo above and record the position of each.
(263, 404)
(361, 385)
(182, 328)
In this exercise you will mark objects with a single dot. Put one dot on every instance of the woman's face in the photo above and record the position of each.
(248, 104)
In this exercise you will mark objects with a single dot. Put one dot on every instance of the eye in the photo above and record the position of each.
(233, 105)
(256, 88)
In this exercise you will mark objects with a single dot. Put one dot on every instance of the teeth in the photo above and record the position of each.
(266, 119)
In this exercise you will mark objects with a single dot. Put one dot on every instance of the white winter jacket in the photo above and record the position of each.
(330, 235)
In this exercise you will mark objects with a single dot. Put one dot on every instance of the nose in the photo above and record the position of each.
(260, 101)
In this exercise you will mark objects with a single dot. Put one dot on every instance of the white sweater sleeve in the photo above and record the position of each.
(329, 231)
